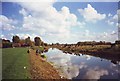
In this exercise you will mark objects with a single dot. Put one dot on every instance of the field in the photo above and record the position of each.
(15, 63)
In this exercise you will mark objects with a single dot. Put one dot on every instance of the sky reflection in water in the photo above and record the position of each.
(83, 66)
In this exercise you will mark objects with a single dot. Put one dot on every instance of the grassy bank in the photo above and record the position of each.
(103, 51)
(15, 63)
(41, 69)
(83, 49)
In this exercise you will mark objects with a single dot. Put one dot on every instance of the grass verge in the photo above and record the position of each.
(15, 63)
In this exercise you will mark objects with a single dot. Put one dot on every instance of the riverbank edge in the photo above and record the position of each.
(111, 53)
(39, 72)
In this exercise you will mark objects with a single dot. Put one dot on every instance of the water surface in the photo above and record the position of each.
(83, 66)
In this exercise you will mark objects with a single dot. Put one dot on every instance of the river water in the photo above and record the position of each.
(83, 66)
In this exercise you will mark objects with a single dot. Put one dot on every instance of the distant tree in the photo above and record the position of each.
(52, 44)
(28, 41)
(6, 43)
(22, 41)
(117, 42)
(42, 43)
(16, 39)
(37, 41)
(57, 43)
(45, 44)
(32, 43)
(78, 43)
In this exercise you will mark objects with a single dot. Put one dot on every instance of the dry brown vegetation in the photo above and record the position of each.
(103, 51)
(41, 69)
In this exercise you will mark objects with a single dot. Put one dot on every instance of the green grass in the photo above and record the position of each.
(13, 62)
(41, 48)
(44, 56)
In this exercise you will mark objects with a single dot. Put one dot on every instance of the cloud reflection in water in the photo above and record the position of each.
(95, 73)
(64, 64)
(83, 66)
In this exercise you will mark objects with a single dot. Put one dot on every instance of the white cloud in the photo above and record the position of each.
(52, 25)
(71, 71)
(114, 19)
(88, 35)
(47, 21)
(108, 36)
(109, 15)
(64, 64)
(23, 12)
(90, 14)
(87, 32)
(28, 0)
(88, 57)
(60, 0)
(6, 23)
(36, 6)
(95, 73)
(110, 22)
(113, 33)
(3, 36)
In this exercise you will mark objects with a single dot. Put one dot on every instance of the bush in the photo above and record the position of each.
(41, 48)
(7, 45)
(43, 56)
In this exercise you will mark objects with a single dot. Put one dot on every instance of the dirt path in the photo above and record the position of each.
(41, 69)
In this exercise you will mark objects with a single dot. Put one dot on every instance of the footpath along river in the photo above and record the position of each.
(83, 66)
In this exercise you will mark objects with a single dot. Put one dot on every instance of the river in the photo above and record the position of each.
(83, 66)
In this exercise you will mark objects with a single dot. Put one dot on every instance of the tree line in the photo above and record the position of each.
(17, 42)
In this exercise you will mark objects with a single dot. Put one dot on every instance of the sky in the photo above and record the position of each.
(60, 22)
